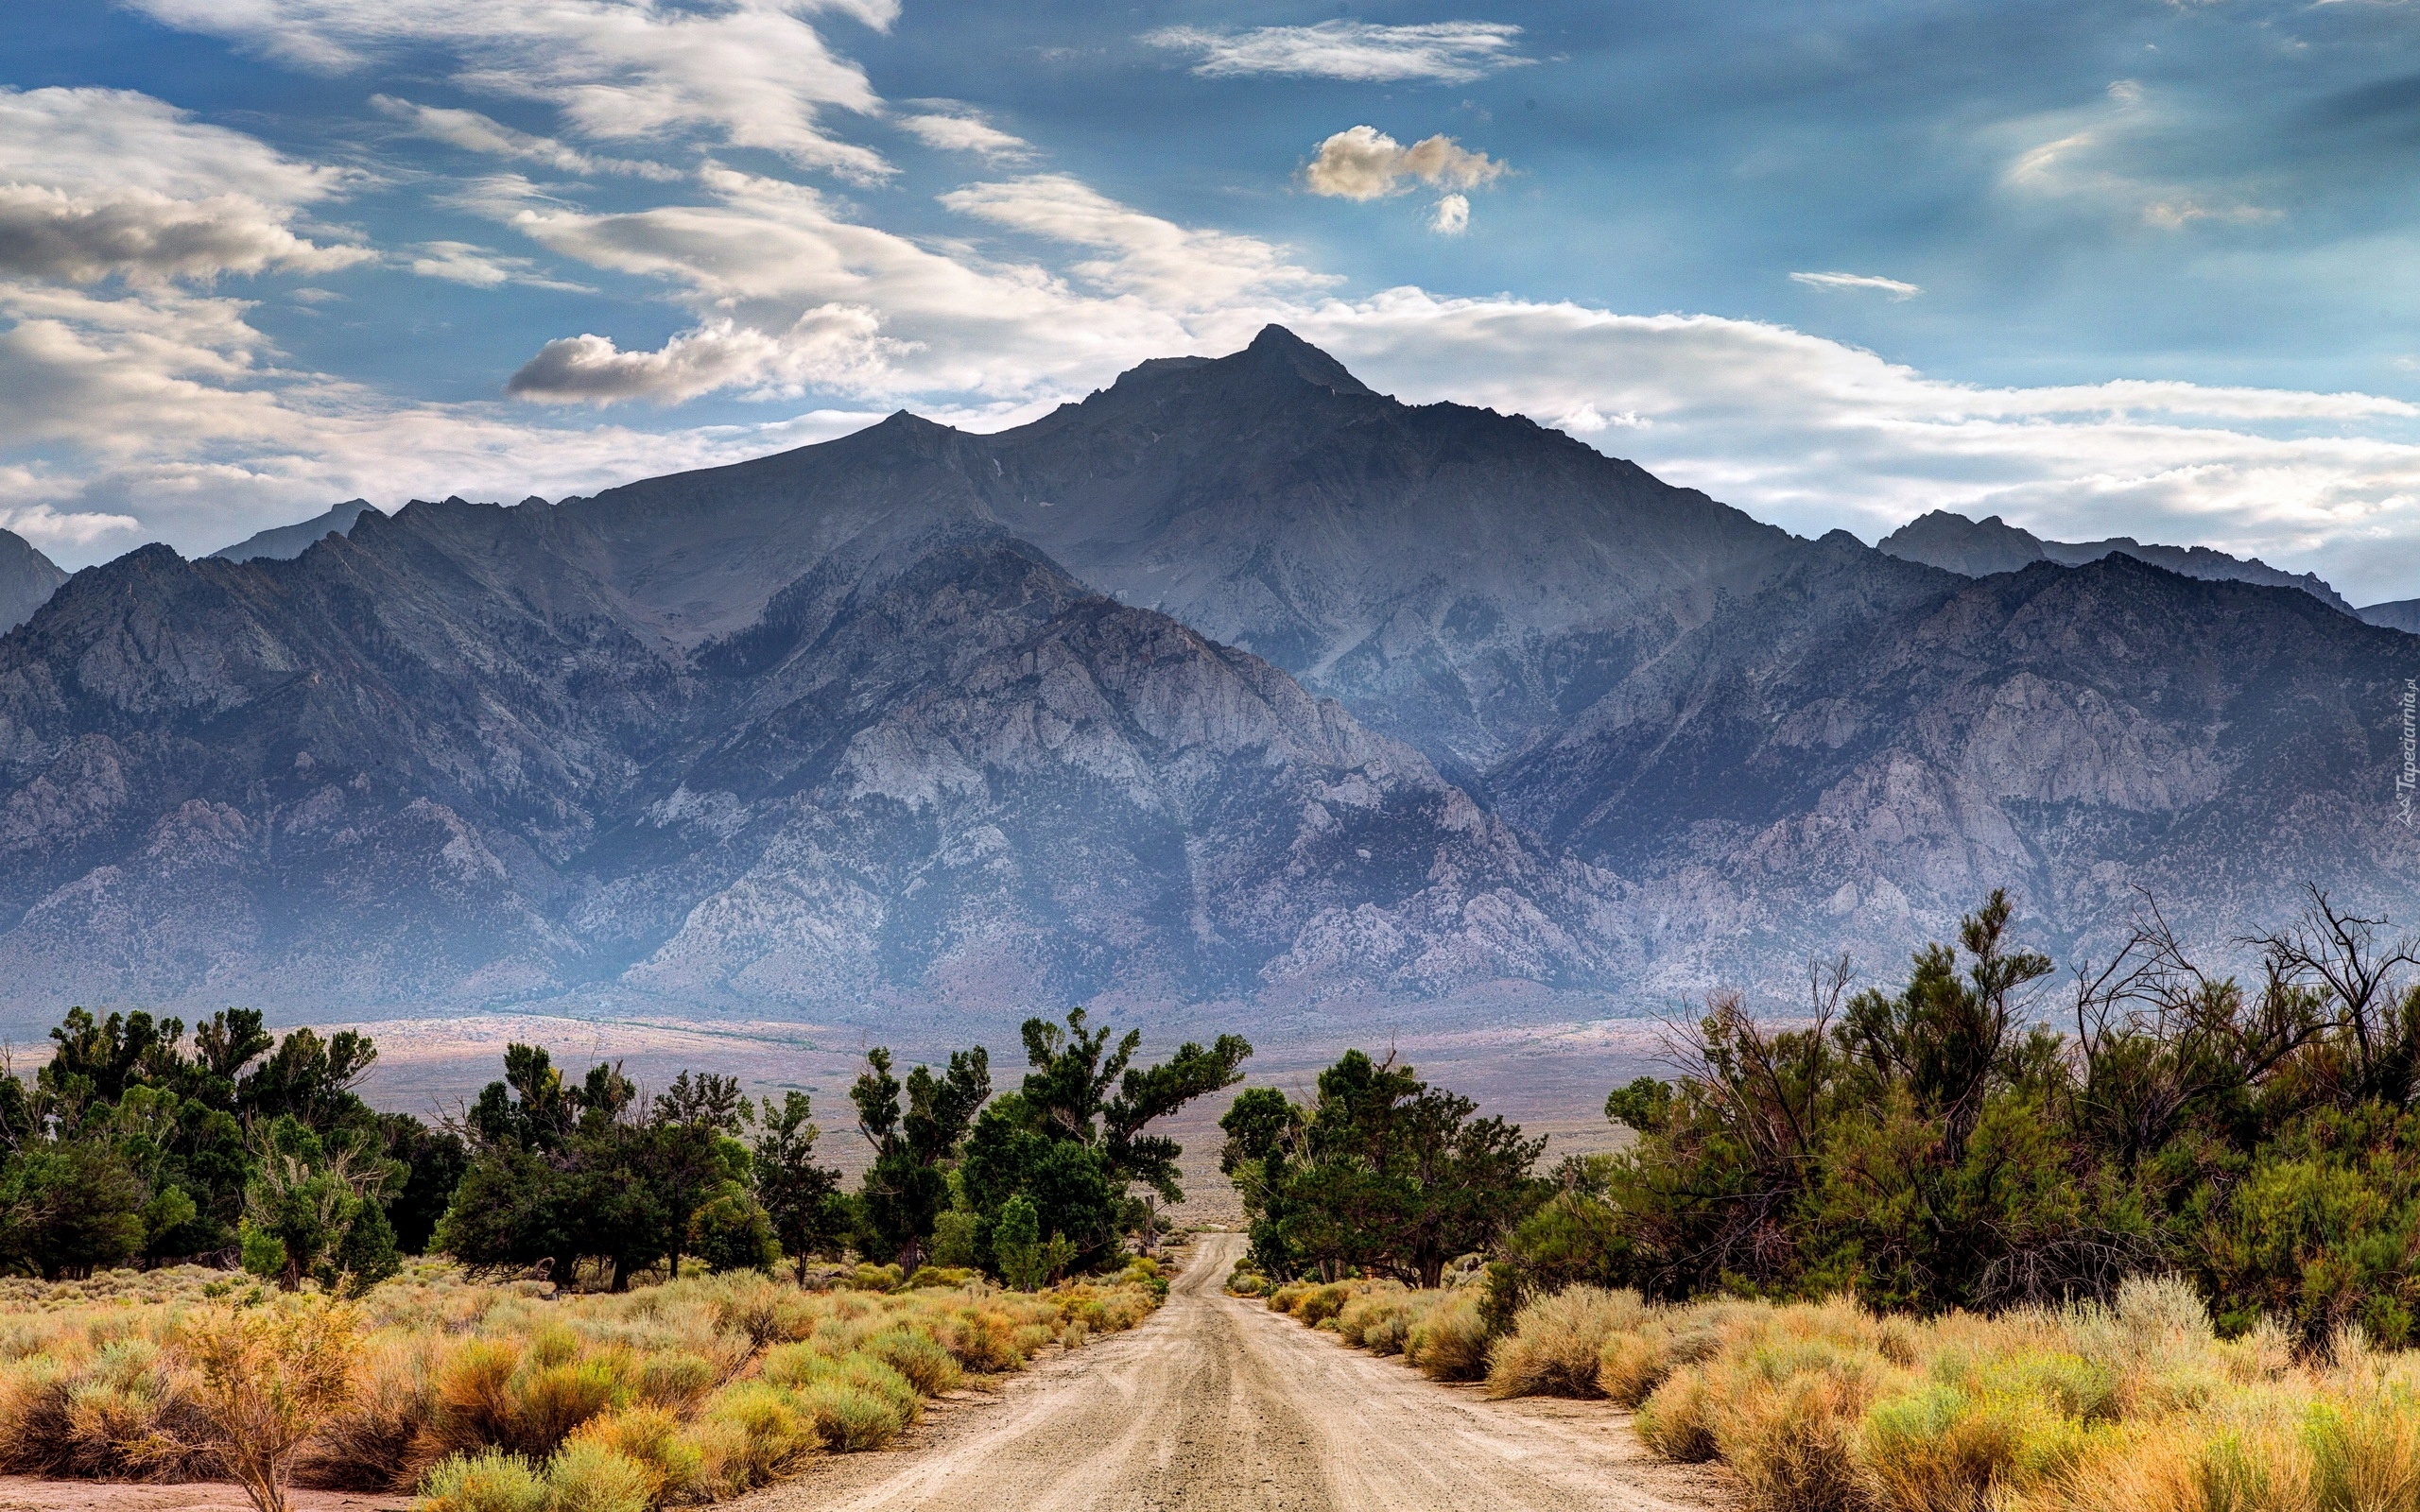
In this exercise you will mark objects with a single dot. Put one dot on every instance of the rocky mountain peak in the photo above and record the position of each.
(1280, 353)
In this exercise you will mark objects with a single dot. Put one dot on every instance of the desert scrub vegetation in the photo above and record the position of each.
(491, 1397)
(1439, 1330)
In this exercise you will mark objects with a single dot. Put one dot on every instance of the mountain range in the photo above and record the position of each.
(1235, 681)
(1978, 548)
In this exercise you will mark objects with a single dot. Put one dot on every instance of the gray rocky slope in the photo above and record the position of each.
(286, 542)
(1851, 759)
(2400, 614)
(1459, 578)
(919, 717)
(28, 578)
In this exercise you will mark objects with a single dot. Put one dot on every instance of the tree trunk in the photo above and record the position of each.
(621, 1273)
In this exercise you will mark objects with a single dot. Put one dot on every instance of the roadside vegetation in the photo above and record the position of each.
(574, 1296)
(2149, 1238)
(489, 1397)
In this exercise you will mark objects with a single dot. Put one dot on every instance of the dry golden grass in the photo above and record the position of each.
(1438, 1332)
(690, 1391)
(2136, 1407)
(1558, 1341)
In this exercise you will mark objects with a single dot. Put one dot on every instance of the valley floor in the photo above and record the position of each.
(1218, 1405)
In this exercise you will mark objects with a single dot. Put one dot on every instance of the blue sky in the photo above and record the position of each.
(2131, 267)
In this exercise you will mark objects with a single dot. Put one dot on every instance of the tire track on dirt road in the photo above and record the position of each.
(1216, 1404)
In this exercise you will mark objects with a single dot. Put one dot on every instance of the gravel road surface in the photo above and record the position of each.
(1217, 1405)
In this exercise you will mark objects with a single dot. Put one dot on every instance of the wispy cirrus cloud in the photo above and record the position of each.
(483, 268)
(1869, 281)
(471, 131)
(2111, 153)
(952, 126)
(1445, 52)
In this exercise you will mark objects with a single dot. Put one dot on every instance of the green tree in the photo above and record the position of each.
(801, 1199)
(1382, 1174)
(70, 1208)
(732, 1233)
(1072, 1139)
(907, 1186)
(312, 1210)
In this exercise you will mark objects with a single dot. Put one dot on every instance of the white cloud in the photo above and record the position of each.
(475, 133)
(98, 139)
(750, 72)
(1363, 162)
(792, 295)
(1175, 266)
(467, 262)
(831, 347)
(1451, 216)
(1813, 434)
(96, 182)
(56, 534)
(955, 127)
(1450, 52)
(153, 399)
(1892, 286)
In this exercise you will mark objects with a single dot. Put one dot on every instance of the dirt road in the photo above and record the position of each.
(1217, 1405)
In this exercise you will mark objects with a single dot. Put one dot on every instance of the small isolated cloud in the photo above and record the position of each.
(950, 127)
(475, 133)
(466, 262)
(1445, 52)
(1363, 162)
(1451, 215)
(1892, 286)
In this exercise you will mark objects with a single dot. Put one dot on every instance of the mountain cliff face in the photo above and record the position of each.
(1979, 548)
(1235, 681)
(28, 578)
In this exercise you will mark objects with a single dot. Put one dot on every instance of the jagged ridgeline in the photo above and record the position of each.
(1235, 681)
